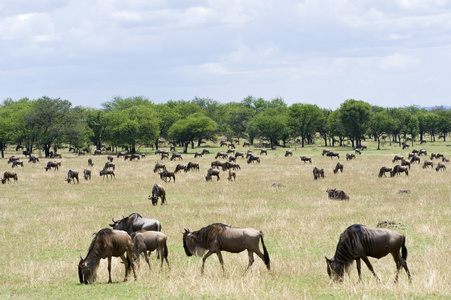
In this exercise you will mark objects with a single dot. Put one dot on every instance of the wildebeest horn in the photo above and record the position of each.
(81, 257)
(327, 258)
(186, 230)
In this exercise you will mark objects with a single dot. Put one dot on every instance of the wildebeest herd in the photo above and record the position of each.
(135, 236)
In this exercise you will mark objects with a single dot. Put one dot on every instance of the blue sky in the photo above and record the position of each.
(390, 53)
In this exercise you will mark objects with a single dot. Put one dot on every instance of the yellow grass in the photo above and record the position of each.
(46, 223)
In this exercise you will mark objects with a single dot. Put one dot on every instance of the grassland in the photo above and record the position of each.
(46, 223)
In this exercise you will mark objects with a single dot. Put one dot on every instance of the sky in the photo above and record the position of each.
(390, 53)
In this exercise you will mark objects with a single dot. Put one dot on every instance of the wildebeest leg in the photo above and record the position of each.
(147, 258)
(368, 264)
(359, 268)
(251, 259)
(204, 258)
(109, 269)
(221, 262)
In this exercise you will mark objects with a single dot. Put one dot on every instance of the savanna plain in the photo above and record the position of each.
(47, 223)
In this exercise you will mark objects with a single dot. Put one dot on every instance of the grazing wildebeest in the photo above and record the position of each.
(223, 143)
(71, 176)
(360, 242)
(120, 154)
(212, 172)
(384, 170)
(109, 165)
(17, 162)
(106, 172)
(167, 174)
(192, 166)
(135, 156)
(445, 159)
(158, 191)
(338, 167)
(358, 151)
(97, 152)
(172, 148)
(398, 157)
(219, 237)
(7, 175)
(404, 146)
(439, 155)
(318, 173)
(428, 163)
(12, 159)
(415, 159)
(433, 155)
(110, 158)
(405, 163)
(399, 169)
(440, 166)
(325, 151)
(263, 151)
(52, 164)
(217, 164)
(232, 175)
(127, 156)
(164, 156)
(144, 241)
(232, 158)
(33, 159)
(253, 158)
(135, 222)
(333, 154)
(288, 153)
(90, 163)
(231, 146)
(231, 151)
(179, 167)
(106, 244)
(422, 152)
(306, 159)
(87, 174)
(246, 144)
(176, 156)
(221, 154)
(363, 147)
(205, 151)
(158, 166)
(350, 156)
(198, 154)
(337, 194)
(423, 142)
(240, 154)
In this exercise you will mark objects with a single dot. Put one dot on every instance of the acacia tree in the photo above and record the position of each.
(194, 126)
(304, 120)
(355, 117)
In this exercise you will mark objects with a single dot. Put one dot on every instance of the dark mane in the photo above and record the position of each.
(348, 239)
(128, 220)
(95, 247)
(205, 235)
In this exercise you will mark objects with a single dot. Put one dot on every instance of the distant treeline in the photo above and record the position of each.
(49, 124)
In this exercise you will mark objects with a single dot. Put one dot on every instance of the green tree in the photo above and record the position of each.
(381, 122)
(304, 120)
(269, 125)
(355, 117)
(98, 124)
(323, 126)
(194, 126)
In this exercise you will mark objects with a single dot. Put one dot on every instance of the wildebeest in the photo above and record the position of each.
(325, 151)
(360, 242)
(445, 159)
(415, 159)
(217, 164)
(338, 167)
(192, 166)
(398, 157)
(440, 166)
(120, 154)
(263, 151)
(97, 152)
(109, 165)
(17, 162)
(405, 163)
(318, 173)
(399, 169)
(12, 158)
(53, 164)
(231, 151)
(337, 194)
(222, 143)
(246, 144)
(439, 155)
(221, 154)
(198, 154)
(358, 151)
(306, 159)
(135, 222)
(428, 163)
(219, 237)
(135, 156)
(8, 175)
(176, 156)
(232, 175)
(180, 167)
(205, 151)
(212, 172)
(110, 158)
(33, 159)
(158, 166)
(333, 154)
(350, 156)
(106, 172)
(167, 174)
(239, 154)
(422, 152)
(71, 176)
(106, 244)
(288, 153)
(90, 163)
(404, 146)
(253, 158)
(384, 170)
(158, 191)
(433, 155)
(87, 174)
(144, 241)
(164, 156)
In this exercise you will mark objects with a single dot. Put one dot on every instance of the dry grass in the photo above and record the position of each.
(45, 223)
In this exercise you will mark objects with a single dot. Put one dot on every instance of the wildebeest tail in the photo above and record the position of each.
(265, 253)
(165, 251)
(404, 249)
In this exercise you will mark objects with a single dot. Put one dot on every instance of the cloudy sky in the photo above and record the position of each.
(385, 52)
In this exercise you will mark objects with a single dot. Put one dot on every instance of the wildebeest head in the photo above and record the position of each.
(118, 225)
(186, 237)
(335, 269)
(85, 274)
